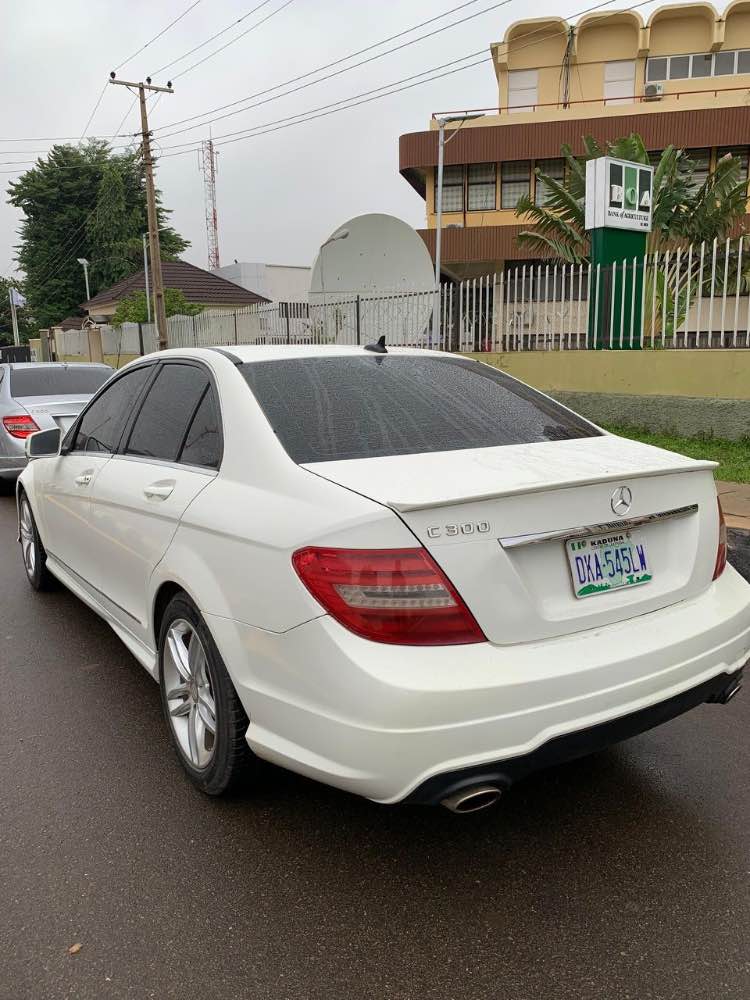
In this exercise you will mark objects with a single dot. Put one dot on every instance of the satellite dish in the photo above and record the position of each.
(372, 277)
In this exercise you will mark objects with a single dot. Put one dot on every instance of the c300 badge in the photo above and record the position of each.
(452, 530)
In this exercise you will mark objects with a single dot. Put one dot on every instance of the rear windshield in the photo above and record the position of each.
(57, 381)
(326, 409)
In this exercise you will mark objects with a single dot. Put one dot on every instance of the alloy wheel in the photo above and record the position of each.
(189, 695)
(28, 543)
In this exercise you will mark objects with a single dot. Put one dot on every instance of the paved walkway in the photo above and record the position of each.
(735, 499)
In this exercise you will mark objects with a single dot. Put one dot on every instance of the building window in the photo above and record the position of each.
(481, 187)
(619, 82)
(552, 168)
(523, 87)
(453, 188)
(515, 182)
(697, 66)
(724, 63)
(742, 154)
(654, 157)
(679, 68)
(701, 66)
(702, 160)
(656, 69)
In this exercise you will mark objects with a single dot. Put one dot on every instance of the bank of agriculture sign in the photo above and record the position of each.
(618, 194)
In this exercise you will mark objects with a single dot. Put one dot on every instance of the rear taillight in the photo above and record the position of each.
(20, 426)
(398, 596)
(721, 551)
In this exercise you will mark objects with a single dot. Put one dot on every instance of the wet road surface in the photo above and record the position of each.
(625, 875)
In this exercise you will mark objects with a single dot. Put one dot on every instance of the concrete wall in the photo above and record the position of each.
(690, 392)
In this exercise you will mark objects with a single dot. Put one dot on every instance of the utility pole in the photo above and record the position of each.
(153, 221)
(145, 277)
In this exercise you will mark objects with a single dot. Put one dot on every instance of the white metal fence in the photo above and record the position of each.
(695, 296)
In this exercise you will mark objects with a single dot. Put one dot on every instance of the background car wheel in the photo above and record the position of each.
(32, 551)
(206, 720)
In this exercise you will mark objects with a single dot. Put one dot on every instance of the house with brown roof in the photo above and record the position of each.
(198, 286)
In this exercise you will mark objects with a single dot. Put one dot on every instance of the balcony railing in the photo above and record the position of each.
(597, 101)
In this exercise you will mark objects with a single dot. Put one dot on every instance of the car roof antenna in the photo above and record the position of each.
(378, 347)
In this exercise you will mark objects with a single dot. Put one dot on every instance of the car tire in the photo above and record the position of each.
(33, 553)
(197, 695)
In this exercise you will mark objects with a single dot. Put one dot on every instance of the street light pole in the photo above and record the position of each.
(442, 122)
(85, 264)
(340, 235)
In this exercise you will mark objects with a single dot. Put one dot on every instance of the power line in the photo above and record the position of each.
(91, 116)
(345, 69)
(233, 40)
(142, 48)
(355, 101)
(347, 100)
(304, 117)
(158, 35)
(211, 39)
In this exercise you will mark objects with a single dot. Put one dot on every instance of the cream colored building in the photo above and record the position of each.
(682, 78)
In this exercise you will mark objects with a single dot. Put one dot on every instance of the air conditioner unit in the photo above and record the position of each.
(455, 225)
(654, 91)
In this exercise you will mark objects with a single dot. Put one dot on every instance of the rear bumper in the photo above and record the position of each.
(504, 773)
(11, 466)
(388, 722)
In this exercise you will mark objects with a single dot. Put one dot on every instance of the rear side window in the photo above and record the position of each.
(54, 380)
(162, 423)
(104, 420)
(203, 442)
(326, 409)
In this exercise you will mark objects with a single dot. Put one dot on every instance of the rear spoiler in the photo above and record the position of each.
(404, 506)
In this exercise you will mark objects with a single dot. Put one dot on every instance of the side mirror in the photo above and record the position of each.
(43, 444)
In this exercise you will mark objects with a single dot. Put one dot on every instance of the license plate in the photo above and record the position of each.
(607, 562)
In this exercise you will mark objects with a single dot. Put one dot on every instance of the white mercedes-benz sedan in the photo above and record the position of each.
(402, 573)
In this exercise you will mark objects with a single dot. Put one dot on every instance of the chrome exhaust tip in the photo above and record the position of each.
(470, 800)
(727, 693)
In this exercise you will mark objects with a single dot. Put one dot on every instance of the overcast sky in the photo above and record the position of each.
(280, 194)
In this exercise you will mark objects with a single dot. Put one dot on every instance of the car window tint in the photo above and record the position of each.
(360, 406)
(103, 422)
(162, 422)
(57, 380)
(203, 442)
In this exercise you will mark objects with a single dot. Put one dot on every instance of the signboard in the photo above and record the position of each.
(618, 194)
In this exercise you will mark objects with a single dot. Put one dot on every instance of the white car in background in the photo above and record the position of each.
(400, 572)
(36, 396)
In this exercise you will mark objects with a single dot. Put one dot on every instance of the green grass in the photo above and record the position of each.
(733, 456)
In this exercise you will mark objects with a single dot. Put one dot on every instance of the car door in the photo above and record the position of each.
(169, 453)
(65, 483)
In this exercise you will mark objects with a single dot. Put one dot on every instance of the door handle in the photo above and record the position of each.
(159, 491)
(84, 479)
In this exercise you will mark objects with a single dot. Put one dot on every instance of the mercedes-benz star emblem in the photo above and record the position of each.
(622, 500)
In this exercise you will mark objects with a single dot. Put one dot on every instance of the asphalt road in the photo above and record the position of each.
(621, 877)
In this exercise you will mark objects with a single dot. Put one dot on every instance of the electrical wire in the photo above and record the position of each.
(233, 40)
(212, 38)
(345, 69)
(158, 35)
(347, 100)
(91, 116)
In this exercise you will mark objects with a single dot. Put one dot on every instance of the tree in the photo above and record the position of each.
(683, 211)
(82, 201)
(25, 320)
(133, 308)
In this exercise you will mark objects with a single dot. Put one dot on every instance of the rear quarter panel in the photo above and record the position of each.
(232, 551)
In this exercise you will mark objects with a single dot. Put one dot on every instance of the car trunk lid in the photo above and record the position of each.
(497, 519)
(53, 411)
